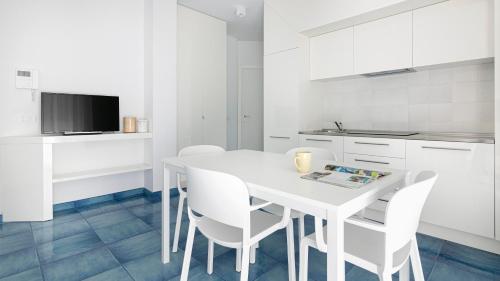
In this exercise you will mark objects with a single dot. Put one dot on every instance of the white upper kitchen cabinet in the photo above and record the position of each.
(463, 196)
(384, 44)
(281, 91)
(332, 54)
(453, 31)
(278, 35)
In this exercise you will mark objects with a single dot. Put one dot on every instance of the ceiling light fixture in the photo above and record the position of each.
(241, 11)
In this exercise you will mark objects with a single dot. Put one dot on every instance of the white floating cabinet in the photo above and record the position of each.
(281, 91)
(383, 44)
(278, 35)
(332, 54)
(463, 196)
(333, 143)
(453, 31)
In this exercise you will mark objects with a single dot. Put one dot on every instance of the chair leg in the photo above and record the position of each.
(416, 264)
(178, 222)
(386, 276)
(404, 272)
(245, 263)
(187, 253)
(210, 258)
(238, 260)
(304, 261)
(302, 231)
(252, 254)
(291, 251)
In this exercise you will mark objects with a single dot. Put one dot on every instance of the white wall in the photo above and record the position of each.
(111, 47)
(456, 99)
(93, 47)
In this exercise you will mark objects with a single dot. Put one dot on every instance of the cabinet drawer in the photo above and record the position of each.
(374, 161)
(279, 143)
(333, 143)
(375, 146)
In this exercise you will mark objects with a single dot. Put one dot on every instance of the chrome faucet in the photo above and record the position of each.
(339, 125)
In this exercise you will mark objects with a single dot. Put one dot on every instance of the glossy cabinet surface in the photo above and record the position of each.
(375, 146)
(332, 54)
(333, 143)
(278, 34)
(375, 161)
(281, 76)
(383, 44)
(463, 197)
(453, 31)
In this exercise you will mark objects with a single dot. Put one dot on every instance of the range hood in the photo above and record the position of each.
(389, 72)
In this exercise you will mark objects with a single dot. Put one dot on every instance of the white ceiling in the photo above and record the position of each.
(248, 28)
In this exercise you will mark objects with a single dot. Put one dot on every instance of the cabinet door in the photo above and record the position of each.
(331, 54)
(452, 31)
(281, 88)
(278, 35)
(279, 144)
(333, 143)
(384, 44)
(374, 162)
(463, 196)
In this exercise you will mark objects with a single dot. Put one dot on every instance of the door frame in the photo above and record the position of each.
(240, 119)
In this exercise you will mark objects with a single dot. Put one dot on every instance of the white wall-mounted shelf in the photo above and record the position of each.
(80, 175)
(75, 138)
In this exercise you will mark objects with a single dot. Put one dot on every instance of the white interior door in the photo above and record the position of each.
(251, 108)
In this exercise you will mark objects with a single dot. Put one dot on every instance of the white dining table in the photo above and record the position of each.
(273, 177)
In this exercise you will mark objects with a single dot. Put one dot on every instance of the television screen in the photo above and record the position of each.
(69, 114)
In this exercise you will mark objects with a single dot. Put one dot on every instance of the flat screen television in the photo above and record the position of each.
(79, 114)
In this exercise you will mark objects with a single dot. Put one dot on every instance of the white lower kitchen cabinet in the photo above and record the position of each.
(463, 197)
(333, 143)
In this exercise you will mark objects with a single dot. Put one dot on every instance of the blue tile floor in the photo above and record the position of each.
(120, 240)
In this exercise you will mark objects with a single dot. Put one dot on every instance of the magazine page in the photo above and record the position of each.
(345, 176)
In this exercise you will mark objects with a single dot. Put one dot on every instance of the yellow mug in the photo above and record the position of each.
(303, 161)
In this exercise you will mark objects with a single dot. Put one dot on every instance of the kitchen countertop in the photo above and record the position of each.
(427, 136)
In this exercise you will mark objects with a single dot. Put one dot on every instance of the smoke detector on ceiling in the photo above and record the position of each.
(241, 11)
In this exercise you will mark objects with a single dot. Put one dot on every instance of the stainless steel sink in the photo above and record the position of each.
(368, 132)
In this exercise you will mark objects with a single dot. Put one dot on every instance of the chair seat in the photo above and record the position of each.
(362, 245)
(262, 224)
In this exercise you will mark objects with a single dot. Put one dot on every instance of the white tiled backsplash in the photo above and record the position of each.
(453, 99)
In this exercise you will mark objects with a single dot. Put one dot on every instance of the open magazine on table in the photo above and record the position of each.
(345, 176)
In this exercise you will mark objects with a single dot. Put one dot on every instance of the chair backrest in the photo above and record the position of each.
(199, 149)
(317, 153)
(403, 210)
(218, 196)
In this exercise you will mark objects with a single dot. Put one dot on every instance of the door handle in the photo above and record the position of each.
(371, 143)
(319, 140)
(446, 148)
(276, 137)
(246, 116)
(371, 161)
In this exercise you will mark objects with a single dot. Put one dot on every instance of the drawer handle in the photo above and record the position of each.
(446, 148)
(318, 140)
(276, 137)
(371, 143)
(370, 161)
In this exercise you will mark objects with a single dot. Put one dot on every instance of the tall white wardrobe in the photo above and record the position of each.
(201, 74)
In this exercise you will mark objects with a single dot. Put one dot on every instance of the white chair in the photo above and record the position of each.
(317, 154)
(219, 206)
(182, 187)
(382, 248)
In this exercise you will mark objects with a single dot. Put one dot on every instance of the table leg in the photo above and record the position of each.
(335, 254)
(165, 210)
